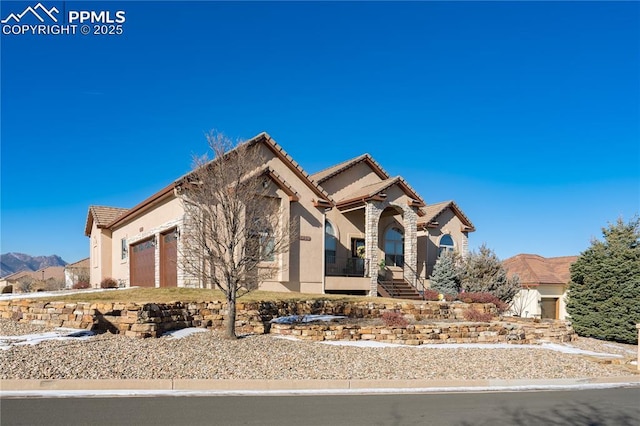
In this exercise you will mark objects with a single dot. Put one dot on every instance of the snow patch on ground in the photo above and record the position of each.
(33, 339)
(183, 332)
(297, 319)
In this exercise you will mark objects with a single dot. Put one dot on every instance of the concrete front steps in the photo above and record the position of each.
(398, 289)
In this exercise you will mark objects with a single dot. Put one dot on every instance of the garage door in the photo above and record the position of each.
(143, 262)
(169, 259)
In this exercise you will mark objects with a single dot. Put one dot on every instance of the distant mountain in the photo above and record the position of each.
(15, 262)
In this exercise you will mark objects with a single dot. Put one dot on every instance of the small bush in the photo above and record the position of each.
(108, 283)
(431, 295)
(81, 285)
(394, 319)
(483, 298)
(472, 314)
(7, 289)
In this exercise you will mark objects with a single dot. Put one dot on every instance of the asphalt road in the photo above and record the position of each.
(619, 406)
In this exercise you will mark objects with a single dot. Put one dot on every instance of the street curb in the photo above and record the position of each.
(189, 385)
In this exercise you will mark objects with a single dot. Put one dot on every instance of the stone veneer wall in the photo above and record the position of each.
(152, 320)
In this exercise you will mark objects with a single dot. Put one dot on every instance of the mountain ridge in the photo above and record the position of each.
(13, 262)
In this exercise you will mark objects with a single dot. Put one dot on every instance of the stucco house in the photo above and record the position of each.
(544, 285)
(51, 276)
(76, 272)
(360, 231)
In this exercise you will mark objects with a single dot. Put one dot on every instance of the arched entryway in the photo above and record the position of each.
(391, 244)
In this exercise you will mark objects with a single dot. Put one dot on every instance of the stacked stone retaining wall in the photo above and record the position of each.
(152, 320)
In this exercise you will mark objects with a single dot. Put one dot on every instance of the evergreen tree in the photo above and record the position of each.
(482, 272)
(445, 278)
(604, 293)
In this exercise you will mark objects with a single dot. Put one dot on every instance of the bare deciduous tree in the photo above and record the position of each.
(521, 301)
(235, 230)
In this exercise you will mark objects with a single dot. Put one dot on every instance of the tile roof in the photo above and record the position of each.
(535, 270)
(102, 216)
(432, 211)
(332, 171)
(373, 189)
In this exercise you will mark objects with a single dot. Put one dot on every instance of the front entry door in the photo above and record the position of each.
(549, 308)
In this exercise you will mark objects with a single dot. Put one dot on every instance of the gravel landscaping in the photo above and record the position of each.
(206, 355)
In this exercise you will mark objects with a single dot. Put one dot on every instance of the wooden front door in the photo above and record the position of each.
(549, 308)
(169, 259)
(143, 264)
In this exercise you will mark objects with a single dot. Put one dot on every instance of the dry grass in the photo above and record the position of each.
(166, 295)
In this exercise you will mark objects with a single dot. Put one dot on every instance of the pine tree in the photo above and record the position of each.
(445, 278)
(482, 272)
(604, 293)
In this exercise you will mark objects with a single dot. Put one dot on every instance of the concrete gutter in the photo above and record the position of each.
(108, 387)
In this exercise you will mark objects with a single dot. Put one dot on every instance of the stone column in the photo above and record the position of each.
(410, 223)
(372, 214)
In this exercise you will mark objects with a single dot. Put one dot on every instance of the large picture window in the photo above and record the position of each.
(394, 247)
(446, 244)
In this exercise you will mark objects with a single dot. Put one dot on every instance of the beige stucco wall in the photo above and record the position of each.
(528, 301)
(304, 271)
(100, 258)
(429, 240)
(345, 183)
(166, 215)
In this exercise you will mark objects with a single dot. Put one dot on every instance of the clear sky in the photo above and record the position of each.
(526, 114)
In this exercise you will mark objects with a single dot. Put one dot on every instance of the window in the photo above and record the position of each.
(394, 247)
(330, 243)
(267, 247)
(261, 246)
(446, 244)
(124, 250)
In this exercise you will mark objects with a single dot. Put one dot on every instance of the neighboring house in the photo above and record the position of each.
(49, 277)
(76, 272)
(544, 285)
(360, 231)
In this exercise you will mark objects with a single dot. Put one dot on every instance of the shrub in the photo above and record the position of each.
(445, 278)
(482, 272)
(108, 283)
(483, 298)
(81, 285)
(394, 319)
(431, 295)
(7, 289)
(472, 314)
(605, 285)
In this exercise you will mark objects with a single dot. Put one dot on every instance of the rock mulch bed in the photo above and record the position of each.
(207, 355)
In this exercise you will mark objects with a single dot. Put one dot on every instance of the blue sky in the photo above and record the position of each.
(526, 114)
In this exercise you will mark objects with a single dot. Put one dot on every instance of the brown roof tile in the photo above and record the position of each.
(536, 270)
(432, 211)
(102, 216)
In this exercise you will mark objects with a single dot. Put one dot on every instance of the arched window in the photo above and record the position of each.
(394, 247)
(330, 243)
(446, 244)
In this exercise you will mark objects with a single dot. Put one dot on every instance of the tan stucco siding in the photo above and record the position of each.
(100, 257)
(341, 185)
(303, 271)
(162, 217)
(448, 223)
(528, 302)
